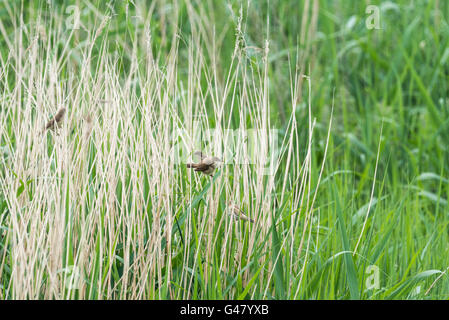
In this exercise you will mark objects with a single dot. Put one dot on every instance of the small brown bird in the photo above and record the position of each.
(206, 165)
(56, 121)
(237, 214)
(88, 125)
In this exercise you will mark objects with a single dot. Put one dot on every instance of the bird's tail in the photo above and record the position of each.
(192, 165)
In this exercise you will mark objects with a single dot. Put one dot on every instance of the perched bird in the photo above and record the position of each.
(56, 121)
(206, 165)
(88, 125)
(237, 213)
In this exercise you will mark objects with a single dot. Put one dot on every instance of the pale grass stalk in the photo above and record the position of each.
(76, 218)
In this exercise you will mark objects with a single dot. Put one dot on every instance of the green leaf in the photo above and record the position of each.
(249, 285)
(277, 262)
(351, 273)
(411, 281)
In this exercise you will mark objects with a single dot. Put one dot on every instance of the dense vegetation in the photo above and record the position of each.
(104, 207)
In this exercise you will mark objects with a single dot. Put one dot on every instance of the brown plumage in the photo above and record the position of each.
(56, 121)
(88, 125)
(206, 165)
(237, 213)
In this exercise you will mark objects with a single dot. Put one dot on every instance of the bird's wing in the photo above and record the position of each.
(50, 124)
(239, 214)
(208, 161)
(202, 167)
(60, 115)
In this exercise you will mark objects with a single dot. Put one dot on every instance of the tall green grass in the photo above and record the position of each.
(101, 210)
